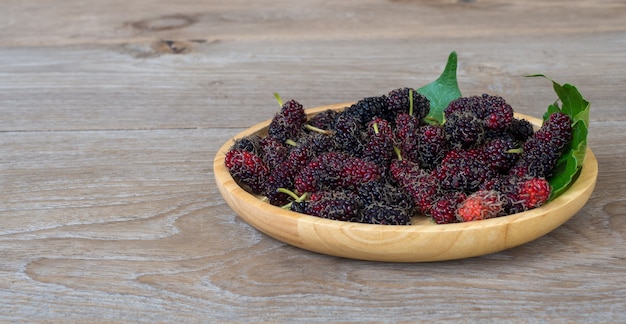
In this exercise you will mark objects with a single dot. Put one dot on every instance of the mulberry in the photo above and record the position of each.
(384, 215)
(288, 123)
(319, 143)
(273, 152)
(282, 176)
(492, 110)
(379, 146)
(405, 136)
(348, 134)
(526, 194)
(498, 153)
(335, 170)
(497, 114)
(373, 192)
(444, 209)
(398, 101)
(368, 108)
(482, 204)
(335, 205)
(557, 130)
(250, 143)
(543, 149)
(248, 170)
(464, 130)
(420, 185)
(324, 119)
(463, 170)
(471, 105)
(521, 129)
(431, 146)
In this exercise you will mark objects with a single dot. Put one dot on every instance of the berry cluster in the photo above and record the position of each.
(379, 161)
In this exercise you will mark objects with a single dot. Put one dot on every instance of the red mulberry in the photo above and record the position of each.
(482, 204)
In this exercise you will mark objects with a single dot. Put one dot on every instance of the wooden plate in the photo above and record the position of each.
(423, 241)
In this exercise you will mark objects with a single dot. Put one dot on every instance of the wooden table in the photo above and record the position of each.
(111, 113)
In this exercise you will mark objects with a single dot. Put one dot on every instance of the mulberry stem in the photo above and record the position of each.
(375, 126)
(318, 130)
(289, 192)
(279, 99)
(398, 152)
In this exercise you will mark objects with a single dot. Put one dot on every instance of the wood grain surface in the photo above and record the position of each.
(111, 113)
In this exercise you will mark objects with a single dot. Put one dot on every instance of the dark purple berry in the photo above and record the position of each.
(335, 205)
(498, 153)
(557, 130)
(471, 105)
(417, 183)
(379, 146)
(288, 123)
(464, 130)
(405, 134)
(537, 160)
(521, 129)
(368, 108)
(543, 149)
(431, 146)
(250, 143)
(464, 170)
(385, 215)
(497, 113)
(298, 207)
(399, 102)
(247, 169)
(335, 170)
(444, 208)
(348, 134)
(282, 176)
(380, 192)
(273, 152)
(319, 143)
(324, 120)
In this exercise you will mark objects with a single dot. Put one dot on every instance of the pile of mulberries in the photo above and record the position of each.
(381, 161)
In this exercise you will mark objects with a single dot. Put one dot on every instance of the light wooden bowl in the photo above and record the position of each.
(423, 241)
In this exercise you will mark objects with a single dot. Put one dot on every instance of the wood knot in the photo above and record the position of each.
(171, 47)
(166, 22)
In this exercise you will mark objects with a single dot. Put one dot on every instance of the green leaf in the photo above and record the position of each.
(551, 110)
(582, 117)
(442, 91)
(573, 101)
(566, 172)
(569, 164)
